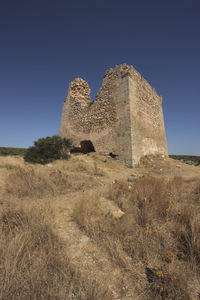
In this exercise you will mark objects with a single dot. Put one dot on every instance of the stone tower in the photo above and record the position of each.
(125, 119)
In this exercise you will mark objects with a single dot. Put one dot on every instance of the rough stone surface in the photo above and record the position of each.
(125, 119)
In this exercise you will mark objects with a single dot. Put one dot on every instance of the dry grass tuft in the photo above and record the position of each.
(40, 181)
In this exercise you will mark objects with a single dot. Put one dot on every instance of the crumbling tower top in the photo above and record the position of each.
(79, 90)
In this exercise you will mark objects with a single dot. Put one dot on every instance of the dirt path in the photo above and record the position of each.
(83, 253)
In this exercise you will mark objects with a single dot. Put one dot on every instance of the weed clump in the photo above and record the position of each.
(46, 150)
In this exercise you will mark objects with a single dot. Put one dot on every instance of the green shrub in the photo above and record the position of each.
(47, 149)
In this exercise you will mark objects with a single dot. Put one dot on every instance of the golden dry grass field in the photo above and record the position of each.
(89, 228)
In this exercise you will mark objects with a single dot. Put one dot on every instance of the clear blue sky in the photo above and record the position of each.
(44, 44)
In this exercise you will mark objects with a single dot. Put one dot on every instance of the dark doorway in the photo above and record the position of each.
(87, 146)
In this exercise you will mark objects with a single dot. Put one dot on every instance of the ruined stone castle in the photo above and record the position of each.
(125, 119)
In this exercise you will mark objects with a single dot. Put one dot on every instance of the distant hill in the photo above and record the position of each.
(188, 159)
(4, 151)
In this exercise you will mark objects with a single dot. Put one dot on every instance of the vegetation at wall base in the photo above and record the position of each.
(46, 150)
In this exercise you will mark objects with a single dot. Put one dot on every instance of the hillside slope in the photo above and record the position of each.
(120, 233)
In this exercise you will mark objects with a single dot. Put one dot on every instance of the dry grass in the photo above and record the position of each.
(33, 260)
(34, 264)
(39, 181)
(158, 232)
(148, 228)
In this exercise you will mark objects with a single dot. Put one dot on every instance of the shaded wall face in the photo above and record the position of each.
(148, 132)
(123, 124)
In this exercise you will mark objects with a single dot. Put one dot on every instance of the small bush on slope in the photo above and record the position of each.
(48, 149)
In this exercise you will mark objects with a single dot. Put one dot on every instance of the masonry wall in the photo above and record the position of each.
(147, 123)
(125, 119)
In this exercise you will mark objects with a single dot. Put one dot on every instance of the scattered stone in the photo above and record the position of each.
(131, 179)
(134, 175)
(190, 162)
(118, 214)
(49, 165)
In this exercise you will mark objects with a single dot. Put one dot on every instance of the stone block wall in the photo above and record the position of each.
(125, 119)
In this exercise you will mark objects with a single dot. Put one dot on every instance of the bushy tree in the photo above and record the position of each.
(47, 149)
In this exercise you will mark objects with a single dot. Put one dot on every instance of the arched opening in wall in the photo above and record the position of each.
(87, 146)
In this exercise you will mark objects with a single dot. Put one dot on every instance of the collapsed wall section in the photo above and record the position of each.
(102, 121)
